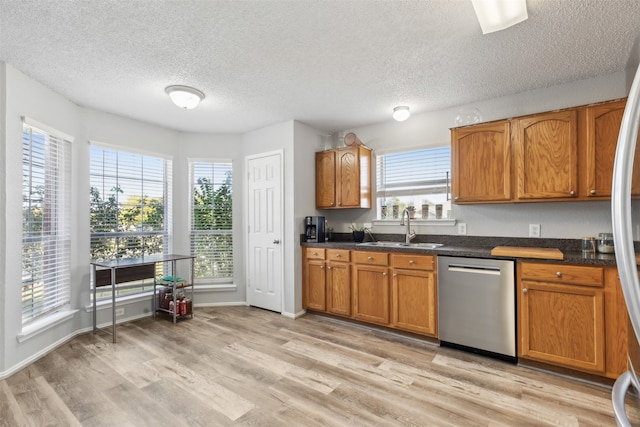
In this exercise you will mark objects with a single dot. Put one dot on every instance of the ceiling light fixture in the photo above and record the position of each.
(184, 96)
(401, 113)
(496, 15)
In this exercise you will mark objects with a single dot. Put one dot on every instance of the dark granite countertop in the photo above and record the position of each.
(474, 246)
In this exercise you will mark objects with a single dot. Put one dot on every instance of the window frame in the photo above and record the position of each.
(193, 234)
(380, 193)
(53, 266)
(137, 288)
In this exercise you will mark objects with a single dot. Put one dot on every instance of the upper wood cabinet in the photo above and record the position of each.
(343, 178)
(546, 156)
(559, 155)
(481, 163)
(601, 128)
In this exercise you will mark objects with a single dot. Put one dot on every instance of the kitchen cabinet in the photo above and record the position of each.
(561, 315)
(546, 156)
(343, 178)
(481, 163)
(338, 276)
(371, 288)
(414, 293)
(600, 129)
(314, 289)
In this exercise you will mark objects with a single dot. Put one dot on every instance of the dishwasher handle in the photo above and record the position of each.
(474, 269)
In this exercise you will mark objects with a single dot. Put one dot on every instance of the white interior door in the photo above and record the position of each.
(264, 219)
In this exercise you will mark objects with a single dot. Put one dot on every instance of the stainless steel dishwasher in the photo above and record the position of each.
(477, 306)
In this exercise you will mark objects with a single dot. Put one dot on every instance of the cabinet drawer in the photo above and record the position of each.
(412, 261)
(315, 253)
(338, 255)
(371, 258)
(560, 273)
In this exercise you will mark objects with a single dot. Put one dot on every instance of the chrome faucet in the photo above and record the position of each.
(409, 235)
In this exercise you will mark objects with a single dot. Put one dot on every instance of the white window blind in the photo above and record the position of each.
(46, 220)
(130, 213)
(211, 220)
(418, 179)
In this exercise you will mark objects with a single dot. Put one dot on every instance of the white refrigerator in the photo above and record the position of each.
(621, 215)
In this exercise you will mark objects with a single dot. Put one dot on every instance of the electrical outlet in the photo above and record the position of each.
(462, 228)
(120, 311)
(534, 230)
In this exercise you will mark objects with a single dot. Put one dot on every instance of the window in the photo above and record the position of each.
(130, 213)
(417, 180)
(46, 220)
(211, 220)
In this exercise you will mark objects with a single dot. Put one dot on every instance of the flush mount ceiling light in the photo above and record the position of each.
(496, 15)
(401, 113)
(184, 96)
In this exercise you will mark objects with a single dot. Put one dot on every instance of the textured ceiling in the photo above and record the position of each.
(333, 64)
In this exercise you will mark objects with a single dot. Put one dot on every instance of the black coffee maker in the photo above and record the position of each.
(314, 229)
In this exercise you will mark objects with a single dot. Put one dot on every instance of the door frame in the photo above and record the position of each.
(245, 218)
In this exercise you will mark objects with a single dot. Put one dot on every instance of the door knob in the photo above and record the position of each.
(276, 242)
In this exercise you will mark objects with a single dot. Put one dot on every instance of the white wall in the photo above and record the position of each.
(3, 207)
(557, 219)
(306, 142)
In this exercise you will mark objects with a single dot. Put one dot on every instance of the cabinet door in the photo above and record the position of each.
(545, 146)
(371, 293)
(414, 301)
(602, 129)
(339, 288)
(481, 163)
(315, 297)
(562, 325)
(348, 178)
(326, 179)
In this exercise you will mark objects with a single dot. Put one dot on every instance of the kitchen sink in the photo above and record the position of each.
(402, 244)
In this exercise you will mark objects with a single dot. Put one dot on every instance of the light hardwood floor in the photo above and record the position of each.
(244, 366)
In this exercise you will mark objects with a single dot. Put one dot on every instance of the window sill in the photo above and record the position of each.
(215, 287)
(37, 327)
(446, 222)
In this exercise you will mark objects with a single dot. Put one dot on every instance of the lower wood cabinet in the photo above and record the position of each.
(414, 293)
(314, 289)
(397, 290)
(338, 276)
(371, 287)
(572, 316)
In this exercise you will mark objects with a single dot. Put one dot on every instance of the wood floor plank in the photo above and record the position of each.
(241, 366)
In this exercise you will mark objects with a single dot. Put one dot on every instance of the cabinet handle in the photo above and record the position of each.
(315, 254)
(456, 198)
(593, 192)
(339, 203)
(410, 261)
(525, 290)
(329, 268)
(338, 255)
(559, 273)
(395, 274)
(322, 267)
(572, 193)
(276, 242)
(369, 258)
(384, 274)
